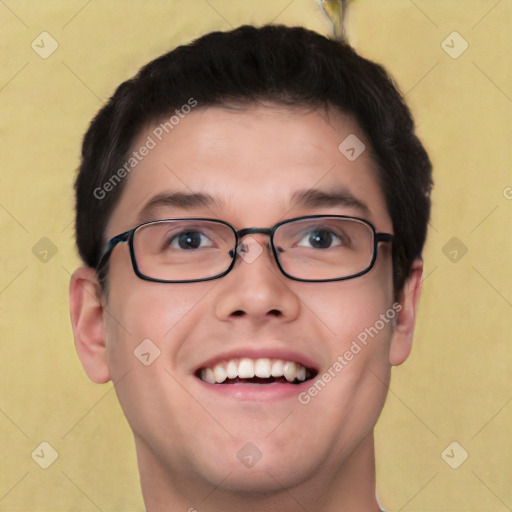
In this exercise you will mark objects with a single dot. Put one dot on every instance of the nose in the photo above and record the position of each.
(255, 289)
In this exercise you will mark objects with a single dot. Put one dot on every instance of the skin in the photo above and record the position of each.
(316, 457)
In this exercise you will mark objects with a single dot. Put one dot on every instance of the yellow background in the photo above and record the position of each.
(457, 384)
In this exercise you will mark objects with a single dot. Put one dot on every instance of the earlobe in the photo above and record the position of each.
(401, 341)
(87, 322)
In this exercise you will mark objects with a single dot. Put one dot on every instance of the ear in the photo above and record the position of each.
(85, 300)
(401, 341)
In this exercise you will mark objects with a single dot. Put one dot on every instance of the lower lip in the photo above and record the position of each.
(256, 392)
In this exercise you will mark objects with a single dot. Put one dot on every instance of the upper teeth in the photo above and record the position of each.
(246, 368)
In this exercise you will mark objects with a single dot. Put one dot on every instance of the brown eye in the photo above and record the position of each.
(189, 240)
(320, 239)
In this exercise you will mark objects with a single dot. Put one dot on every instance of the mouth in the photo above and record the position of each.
(261, 371)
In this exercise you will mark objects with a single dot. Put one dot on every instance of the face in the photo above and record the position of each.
(252, 165)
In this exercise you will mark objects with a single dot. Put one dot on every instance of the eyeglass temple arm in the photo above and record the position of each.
(123, 237)
(383, 237)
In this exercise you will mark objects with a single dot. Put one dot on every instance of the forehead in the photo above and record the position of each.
(250, 167)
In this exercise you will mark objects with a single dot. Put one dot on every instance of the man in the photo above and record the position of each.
(251, 212)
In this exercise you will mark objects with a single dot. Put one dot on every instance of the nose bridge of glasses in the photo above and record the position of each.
(241, 233)
(242, 247)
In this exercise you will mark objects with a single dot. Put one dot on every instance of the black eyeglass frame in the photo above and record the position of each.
(128, 237)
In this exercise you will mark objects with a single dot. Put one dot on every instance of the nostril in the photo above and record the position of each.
(238, 312)
(275, 312)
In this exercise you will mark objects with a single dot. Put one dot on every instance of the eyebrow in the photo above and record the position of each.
(315, 198)
(178, 200)
(308, 198)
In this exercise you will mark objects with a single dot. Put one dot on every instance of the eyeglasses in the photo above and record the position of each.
(314, 248)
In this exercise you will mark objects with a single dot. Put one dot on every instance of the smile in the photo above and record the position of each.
(246, 370)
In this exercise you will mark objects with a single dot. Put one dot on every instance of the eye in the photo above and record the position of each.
(188, 240)
(321, 238)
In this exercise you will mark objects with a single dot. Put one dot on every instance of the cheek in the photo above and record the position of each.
(140, 310)
(350, 391)
(356, 318)
(147, 324)
(347, 308)
(145, 308)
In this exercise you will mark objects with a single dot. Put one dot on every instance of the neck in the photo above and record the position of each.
(349, 487)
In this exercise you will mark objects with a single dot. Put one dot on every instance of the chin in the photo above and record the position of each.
(259, 467)
(266, 480)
